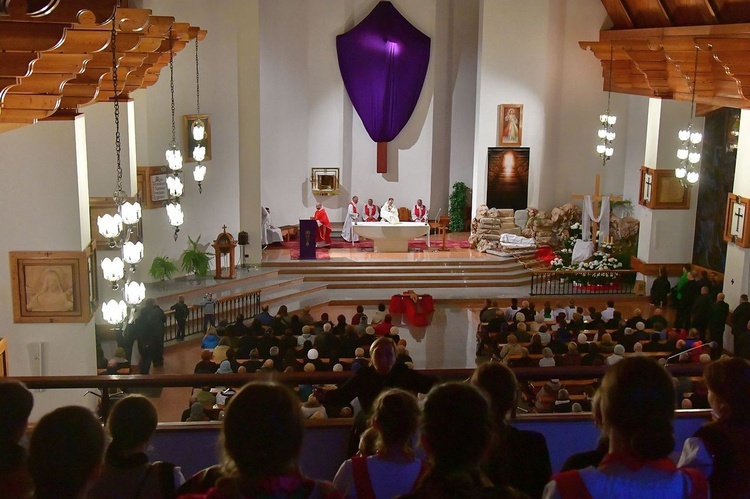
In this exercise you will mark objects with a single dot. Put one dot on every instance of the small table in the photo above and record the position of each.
(391, 238)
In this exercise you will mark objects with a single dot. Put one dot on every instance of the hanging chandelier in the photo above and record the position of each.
(118, 228)
(198, 130)
(688, 152)
(174, 159)
(607, 121)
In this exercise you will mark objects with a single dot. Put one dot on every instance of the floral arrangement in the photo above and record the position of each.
(599, 266)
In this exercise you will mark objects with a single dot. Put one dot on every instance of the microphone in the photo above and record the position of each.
(712, 344)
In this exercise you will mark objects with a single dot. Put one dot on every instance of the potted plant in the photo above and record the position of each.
(162, 268)
(195, 259)
(457, 206)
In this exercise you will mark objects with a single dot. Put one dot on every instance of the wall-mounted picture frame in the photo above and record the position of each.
(50, 286)
(736, 222)
(510, 125)
(92, 269)
(508, 177)
(189, 122)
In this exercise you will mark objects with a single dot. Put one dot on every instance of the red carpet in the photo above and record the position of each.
(366, 245)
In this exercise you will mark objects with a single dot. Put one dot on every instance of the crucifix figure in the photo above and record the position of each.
(738, 217)
(598, 201)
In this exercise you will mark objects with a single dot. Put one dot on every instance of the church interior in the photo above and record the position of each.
(263, 78)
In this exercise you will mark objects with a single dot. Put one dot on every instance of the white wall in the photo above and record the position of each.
(529, 55)
(41, 213)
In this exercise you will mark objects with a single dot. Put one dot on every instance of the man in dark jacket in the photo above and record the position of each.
(740, 318)
(181, 312)
(717, 319)
(700, 311)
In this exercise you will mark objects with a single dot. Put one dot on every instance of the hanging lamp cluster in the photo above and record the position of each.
(607, 121)
(689, 152)
(198, 130)
(118, 228)
(174, 159)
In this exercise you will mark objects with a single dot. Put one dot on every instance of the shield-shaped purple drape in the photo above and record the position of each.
(383, 62)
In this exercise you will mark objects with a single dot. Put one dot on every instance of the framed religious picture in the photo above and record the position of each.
(508, 177)
(510, 124)
(50, 286)
(193, 123)
(661, 190)
(736, 223)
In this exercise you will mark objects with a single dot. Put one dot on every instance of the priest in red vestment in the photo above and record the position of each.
(324, 226)
(371, 212)
(420, 212)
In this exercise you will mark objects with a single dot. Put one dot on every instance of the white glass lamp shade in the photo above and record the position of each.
(611, 120)
(601, 148)
(174, 212)
(692, 177)
(132, 252)
(199, 153)
(602, 133)
(114, 312)
(109, 226)
(682, 153)
(135, 292)
(683, 135)
(603, 118)
(113, 270)
(696, 138)
(694, 157)
(175, 187)
(680, 172)
(174, 157)
(611, 136)
(130, 212)
(199, 173)
(609, 152)
(199, 131)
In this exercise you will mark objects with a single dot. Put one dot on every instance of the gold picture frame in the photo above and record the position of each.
(189, 121)
(509, 125)
(50, 286)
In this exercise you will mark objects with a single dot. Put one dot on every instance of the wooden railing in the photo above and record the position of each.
(227, 308)
(581, 282)
(103, 382)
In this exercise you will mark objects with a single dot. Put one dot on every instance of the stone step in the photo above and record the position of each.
(410, 284)
(306, 264)
(431, 277)
(504, 267)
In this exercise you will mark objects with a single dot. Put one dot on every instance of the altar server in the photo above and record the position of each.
(352, 215)
(269, 234)
(389, 213)
(419, 214)
(324, 226)
(371, 212)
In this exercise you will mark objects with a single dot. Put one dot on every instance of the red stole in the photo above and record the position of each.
(419, 211)
(354, 206)
(370, 211)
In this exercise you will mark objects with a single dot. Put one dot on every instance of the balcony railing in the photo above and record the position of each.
(582, 282)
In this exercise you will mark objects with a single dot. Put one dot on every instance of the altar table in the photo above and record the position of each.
(391, 238)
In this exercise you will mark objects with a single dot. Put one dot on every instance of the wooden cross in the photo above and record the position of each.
(738, 216)
(597, 198)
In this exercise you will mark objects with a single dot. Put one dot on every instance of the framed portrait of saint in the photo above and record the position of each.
(509, 125)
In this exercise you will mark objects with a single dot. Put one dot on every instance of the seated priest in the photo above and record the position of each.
(352, 215)
(269, 234)
(389, 213)
(371, 212)
(324, 226)
(419, 213)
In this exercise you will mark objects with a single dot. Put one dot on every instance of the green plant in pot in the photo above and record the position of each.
(457, 206)
(162, 268)
(195, 259)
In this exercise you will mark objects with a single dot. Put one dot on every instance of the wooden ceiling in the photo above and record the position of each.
(653, 45)
(55, 55)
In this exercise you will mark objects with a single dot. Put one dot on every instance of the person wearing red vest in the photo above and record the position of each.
(419, 214)
(371, 212)
(635, 409)
(352, 215)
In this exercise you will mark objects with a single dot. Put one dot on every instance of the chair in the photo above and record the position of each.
(404, 214)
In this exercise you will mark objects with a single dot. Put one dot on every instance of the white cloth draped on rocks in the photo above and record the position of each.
(603, 219)
(516, 242)
(347, 232)
(269, 234)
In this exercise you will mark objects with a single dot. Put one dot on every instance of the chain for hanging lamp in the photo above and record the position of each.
(174, 158)
(688, 153)
(198, 130)
(118, 228)
(607, 120)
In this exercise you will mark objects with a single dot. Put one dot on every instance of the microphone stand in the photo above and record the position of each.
(711, 344)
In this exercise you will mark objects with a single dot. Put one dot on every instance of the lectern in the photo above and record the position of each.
(308, 231)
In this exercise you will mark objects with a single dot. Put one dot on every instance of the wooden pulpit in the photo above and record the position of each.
(224, 245)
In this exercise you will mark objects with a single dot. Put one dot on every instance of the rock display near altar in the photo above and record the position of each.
(488, 225)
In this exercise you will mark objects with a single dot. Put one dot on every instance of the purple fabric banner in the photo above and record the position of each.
(383, 62)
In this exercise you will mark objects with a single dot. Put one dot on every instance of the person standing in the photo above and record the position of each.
(660, 288)
(717, 319)
(324, 226)
(419, 214)
(181, 312)
(740, 318)
(209, 308)
(371, 212)
(352, 215)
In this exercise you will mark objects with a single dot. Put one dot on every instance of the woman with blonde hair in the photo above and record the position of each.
(210, 339)
(392, 470)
